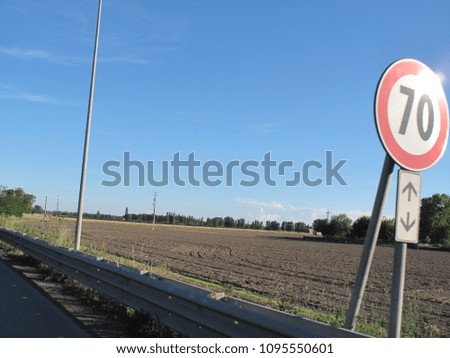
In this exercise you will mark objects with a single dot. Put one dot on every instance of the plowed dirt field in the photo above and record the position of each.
(283, 265)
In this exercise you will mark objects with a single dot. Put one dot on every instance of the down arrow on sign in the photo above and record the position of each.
(407, 225)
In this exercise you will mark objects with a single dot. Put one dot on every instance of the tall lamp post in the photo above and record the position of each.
(87, 136)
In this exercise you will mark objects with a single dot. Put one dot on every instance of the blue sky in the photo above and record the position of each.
(227, 80)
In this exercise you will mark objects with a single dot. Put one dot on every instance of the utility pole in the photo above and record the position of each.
(45, 207)
(328, 214)
(155, 194)
(57, 205)
(77, 242)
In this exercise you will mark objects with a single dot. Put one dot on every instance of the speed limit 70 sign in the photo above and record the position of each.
(411, 114)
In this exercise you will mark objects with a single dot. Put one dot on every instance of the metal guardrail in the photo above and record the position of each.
(190, 310)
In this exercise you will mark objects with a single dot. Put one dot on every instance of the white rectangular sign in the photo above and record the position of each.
(407, 214)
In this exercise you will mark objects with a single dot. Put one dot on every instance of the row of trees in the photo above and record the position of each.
(15, 202)
(434, 225)
(288, 226)
(434, 219)
(221, 222)
(341, 226)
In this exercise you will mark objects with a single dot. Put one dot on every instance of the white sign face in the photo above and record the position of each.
(411, 114)
(407, 214)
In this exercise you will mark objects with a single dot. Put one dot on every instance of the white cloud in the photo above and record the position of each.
(268, 217)
(24, 54)
(29, 98)
(267, 127)
(36, 54)
(261, 204)
(274, 210)
(43, 55)
(12, 93)
(355, 214)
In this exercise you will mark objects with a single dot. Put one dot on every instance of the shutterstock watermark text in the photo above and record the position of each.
(212, 173)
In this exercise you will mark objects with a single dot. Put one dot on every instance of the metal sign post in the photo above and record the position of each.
(398, 284)
(370, 242)
(407, 216)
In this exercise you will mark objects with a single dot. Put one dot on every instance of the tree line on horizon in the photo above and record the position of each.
(171, 218)
(434, 219)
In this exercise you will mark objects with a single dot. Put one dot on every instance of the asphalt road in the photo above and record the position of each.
(25, 312)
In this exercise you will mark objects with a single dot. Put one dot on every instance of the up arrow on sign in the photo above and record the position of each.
(410, 188)
(408, 207)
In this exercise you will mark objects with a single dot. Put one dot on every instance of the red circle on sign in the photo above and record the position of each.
(402, 157)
